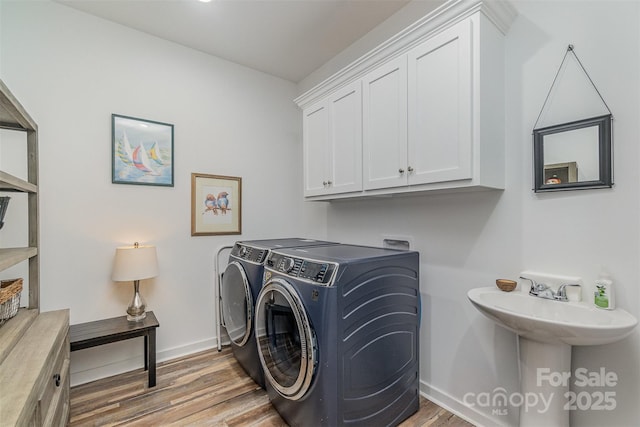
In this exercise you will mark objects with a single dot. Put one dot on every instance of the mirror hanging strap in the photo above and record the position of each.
(570, 49)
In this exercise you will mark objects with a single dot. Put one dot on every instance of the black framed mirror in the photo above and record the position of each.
(573, 156)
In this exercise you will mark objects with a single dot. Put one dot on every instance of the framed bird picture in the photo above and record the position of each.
(216, 205)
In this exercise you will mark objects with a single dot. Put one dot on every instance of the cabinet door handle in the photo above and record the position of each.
(401, 171)
(56, 378)
(410, 169)
(328, 182)
(324, 183)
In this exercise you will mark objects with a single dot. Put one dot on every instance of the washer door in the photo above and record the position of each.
(286, 341)
(237, 303)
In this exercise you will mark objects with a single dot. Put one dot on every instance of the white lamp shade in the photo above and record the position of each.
(135, 263)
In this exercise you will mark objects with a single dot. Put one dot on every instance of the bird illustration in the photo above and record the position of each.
(210, 204)
(223, 201)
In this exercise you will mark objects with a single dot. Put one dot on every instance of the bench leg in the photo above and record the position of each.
(146, 351)
(150, 349)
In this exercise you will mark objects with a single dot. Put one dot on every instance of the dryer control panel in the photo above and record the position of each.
(249, 253)
(315, 271)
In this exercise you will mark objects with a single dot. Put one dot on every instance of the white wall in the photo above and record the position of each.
(469, 240)
(598, 227)
(71, 71)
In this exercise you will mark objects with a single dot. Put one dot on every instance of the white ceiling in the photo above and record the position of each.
(286, 38)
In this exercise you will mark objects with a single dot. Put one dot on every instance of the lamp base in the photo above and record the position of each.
(137, 318)
(135, 311)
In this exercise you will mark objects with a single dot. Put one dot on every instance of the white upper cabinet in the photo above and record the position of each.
(345, 109)
(384, 119)
(430, 115)
(440, 107)
(332, 143)
(315, 148)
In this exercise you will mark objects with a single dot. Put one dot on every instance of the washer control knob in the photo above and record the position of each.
(288, 264)
(242, 252)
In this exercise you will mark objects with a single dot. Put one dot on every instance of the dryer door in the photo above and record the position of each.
(286, 341)
(237, 303)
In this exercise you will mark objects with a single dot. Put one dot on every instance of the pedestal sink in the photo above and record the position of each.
(546, 331)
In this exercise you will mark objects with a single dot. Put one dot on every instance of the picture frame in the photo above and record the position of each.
(141, 151)
(587, 142)
(216, 205)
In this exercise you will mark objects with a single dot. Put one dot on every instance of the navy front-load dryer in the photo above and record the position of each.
(337, 329)
(241, 283)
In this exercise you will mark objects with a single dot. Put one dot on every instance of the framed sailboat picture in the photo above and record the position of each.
(142, 151)
(216, 205)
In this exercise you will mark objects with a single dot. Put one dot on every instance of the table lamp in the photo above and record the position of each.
(134, 263)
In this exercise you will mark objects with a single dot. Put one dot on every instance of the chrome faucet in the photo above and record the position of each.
(541, 290)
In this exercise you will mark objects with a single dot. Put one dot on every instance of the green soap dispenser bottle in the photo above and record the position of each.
(604, 296)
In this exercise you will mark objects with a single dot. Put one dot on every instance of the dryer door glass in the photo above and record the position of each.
(286, 342)
(237, 304)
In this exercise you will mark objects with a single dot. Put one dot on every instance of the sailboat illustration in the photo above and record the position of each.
(154, 153)
(124, 151)
(141, 160)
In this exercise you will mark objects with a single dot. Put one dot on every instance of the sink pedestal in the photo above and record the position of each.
(544, 383)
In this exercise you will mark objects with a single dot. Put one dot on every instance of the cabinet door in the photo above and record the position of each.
(384, 116)
(440, 107)
(345, 151)
(315, 145)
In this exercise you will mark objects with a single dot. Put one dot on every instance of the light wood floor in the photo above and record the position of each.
(207, 388)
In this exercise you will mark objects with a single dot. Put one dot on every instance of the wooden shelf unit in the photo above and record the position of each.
(13, 116)
(34, 346)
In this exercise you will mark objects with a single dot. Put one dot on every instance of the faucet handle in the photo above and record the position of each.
(561, 295)
(534, 285)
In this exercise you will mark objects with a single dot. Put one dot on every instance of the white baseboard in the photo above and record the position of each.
(132, 363)
(457, 407)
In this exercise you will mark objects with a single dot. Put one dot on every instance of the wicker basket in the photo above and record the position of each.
(9, 298)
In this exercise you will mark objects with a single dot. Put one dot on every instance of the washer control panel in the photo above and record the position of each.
(315, 271)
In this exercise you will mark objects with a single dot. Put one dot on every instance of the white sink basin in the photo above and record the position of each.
(573, 323)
